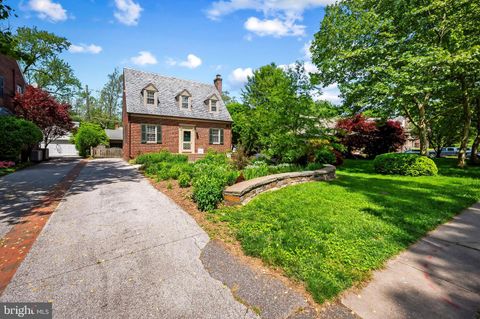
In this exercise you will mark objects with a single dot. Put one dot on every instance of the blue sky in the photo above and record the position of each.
(191, 39)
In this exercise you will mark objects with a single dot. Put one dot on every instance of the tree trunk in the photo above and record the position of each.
(462, 154)
(422, 129)
(476, 143)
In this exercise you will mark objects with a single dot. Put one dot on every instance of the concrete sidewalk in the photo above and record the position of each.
(23, 190)
(438, 277)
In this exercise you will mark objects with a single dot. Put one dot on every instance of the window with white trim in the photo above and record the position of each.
(213, 106)
(150, 97)
(216, 136)
(151, 133)
(185, 102)
(19, 89)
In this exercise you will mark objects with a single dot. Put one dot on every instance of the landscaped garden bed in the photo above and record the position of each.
(209, 176)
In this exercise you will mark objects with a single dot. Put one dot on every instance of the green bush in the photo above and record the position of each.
(184, 180)
(325, 155)
(17, 135)
(89, 135)
(404, 164)
(210, 176)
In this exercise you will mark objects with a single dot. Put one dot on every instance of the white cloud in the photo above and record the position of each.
(48, 10)
(331, 93)
(288, 8)
(306, 50)
(280, 16)
(274, 27)
(128, 12)
(240, 76)
(144, 58)
(83, 48)
(192, 62)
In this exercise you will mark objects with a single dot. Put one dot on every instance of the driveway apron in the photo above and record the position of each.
(116, 247)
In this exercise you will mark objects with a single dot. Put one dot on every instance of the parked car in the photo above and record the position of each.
(412, 151)
(449, 151)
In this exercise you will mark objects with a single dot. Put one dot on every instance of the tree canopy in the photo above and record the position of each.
(39, 107)
(402, 56)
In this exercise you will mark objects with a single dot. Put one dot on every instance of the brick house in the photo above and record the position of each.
(11, 82)
(180, 116)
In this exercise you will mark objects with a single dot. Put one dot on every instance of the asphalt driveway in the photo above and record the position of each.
(116, 247)
(22, 190)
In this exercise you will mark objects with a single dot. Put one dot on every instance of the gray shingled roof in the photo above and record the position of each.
(116, 134)
(169, 88)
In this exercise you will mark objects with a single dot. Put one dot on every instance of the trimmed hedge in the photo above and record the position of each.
(404, 164)
(17, 135)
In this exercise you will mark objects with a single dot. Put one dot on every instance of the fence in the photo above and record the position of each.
(102, 151)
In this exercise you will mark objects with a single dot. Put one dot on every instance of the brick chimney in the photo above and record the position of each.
(218, 83)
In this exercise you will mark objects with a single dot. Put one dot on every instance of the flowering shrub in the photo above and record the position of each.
(6, 164)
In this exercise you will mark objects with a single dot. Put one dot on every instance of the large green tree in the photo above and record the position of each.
(280, 112)
(41, 63)
(402, 56)
(110, 100)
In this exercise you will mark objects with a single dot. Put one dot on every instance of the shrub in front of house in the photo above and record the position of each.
(89, 135)
(17, 135)
(184, 180)
(404, 164)
(210, 176)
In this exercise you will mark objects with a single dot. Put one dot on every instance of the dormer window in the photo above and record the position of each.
(185, 102)
(212, 103)
(213, 106)
(150, 97)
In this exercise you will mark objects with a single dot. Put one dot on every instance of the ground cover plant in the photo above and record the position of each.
(332, 235)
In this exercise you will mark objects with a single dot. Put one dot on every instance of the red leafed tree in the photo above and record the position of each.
(39, 107)
(389, 137)
(356, 133)
(361, 135)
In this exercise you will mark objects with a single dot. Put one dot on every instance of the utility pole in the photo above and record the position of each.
(88, 103)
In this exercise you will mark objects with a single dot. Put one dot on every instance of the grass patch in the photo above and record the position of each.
(332, 235)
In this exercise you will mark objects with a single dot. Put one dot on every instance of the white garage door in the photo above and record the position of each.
(62, 149)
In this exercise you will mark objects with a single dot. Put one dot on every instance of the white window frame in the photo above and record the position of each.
(147, 133)
(218, 136)
(147, 92)
(188, 102)
(216, 105)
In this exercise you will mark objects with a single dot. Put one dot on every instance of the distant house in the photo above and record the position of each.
(115, 136)
(11, 82)
(166, 113)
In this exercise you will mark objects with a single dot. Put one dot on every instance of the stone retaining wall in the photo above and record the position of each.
(243, 192)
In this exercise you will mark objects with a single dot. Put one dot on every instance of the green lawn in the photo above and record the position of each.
(331, 235)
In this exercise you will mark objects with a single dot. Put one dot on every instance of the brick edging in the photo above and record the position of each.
(16, 244)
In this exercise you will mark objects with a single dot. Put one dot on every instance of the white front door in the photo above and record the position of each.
(187, 140)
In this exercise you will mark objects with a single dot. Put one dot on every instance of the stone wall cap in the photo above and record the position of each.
(242, 188)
